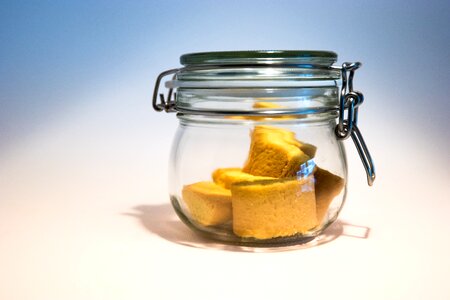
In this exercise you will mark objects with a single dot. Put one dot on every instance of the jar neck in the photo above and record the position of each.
(263, 102)
(319, 119)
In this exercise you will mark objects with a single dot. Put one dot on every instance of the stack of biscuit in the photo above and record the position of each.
(271, 195)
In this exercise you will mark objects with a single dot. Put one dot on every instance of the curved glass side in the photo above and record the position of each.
(257, 181)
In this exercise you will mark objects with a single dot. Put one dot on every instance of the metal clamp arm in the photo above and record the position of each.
(347, 126)
(167, 104)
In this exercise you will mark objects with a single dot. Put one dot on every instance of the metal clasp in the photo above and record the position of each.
(347, 126)
(166, 103)
(349, 102)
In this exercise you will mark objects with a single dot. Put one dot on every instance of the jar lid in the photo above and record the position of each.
(260, 68)
(275, 57)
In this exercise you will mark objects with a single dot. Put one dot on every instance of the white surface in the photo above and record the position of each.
(84, 215)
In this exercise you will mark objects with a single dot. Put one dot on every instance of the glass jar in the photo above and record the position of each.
(258, 158)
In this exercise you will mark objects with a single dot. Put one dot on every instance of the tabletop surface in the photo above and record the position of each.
(84, 214)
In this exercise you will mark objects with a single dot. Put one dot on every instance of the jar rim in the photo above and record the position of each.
(294, 57)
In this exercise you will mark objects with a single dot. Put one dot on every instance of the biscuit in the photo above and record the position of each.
(208, 203)
(273, 208)
(327, 186)
(225, 177)
(274, 152)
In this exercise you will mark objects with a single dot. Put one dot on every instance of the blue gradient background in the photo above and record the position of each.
(80, 143)
(56, 54)
(61, 60)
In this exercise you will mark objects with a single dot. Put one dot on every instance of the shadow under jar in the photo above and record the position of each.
(258, 158)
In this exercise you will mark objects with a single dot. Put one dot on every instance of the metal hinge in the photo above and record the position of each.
(347, 126)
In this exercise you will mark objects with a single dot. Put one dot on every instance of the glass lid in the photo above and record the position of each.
(288, 57)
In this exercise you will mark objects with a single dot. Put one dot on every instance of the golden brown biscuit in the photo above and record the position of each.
(327, 186)
(208, 203)
(225, 177)
(270, 105)
(308, 149)
(273, 208)
(274, 152)
(289, 137)
(266, 105)
(261, 104)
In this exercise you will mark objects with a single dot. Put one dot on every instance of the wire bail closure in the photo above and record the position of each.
(166, 104)
(350, 101)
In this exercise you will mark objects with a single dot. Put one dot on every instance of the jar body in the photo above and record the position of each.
(258, 158)
(258, 181)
